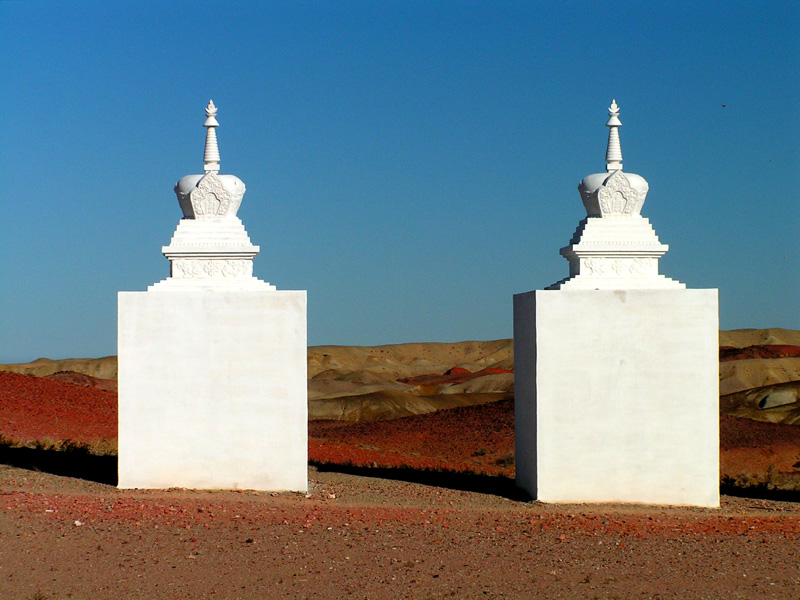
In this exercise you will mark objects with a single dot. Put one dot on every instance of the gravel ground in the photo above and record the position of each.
(369, 538)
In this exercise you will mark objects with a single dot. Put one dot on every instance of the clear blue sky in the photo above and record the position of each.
(411, 164)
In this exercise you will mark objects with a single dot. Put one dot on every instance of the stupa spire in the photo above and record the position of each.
(211, 154)
(613, 150)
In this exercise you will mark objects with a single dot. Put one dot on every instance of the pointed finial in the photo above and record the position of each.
(211, 154)
(613, 150)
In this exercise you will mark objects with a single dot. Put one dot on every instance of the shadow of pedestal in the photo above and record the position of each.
(77, 463)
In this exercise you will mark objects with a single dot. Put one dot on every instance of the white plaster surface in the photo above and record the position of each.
(617, 395)
(212, 390)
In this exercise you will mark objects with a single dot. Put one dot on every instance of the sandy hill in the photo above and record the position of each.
(102, 368)
(405, 360)
(378, 382)
(764, 389)
(740, 338)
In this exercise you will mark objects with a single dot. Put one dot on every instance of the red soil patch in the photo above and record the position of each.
(738, 433)
(727, 353)
(477, 439)
(451, 376)
(107, 385)
(35, 408)
(756, 448)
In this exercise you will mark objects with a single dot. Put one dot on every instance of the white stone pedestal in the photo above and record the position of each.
(617, 395)
(212, 390)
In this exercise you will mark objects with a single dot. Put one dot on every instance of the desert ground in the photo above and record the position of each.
(411, 493)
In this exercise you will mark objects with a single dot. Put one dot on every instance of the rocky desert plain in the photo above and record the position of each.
(411, 493)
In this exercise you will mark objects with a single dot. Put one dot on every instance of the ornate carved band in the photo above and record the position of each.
(619, 266)
(184, 269)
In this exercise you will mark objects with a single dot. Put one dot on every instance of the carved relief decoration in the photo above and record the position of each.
(618, 266)
(617, 197)
(183, 269)
(210, 198)
(595, 266)
(641, 266)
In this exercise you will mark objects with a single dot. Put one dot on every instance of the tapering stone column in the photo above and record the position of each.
(212, 360)
(616, 366)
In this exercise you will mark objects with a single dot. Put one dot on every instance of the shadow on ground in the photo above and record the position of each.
(77, 463)
(759, 492)
(497, 485)
(81, 464)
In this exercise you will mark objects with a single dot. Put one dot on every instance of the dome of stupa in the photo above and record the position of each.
(613, 193)
(211, 195)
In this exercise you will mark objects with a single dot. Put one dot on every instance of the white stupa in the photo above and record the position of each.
(212, 361)
(616, 366)
(614, 246)
(210, 248)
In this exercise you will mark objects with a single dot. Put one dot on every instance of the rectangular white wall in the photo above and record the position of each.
(617, 396)
(212, 390)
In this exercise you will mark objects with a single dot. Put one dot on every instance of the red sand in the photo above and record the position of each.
(35, 408)
(476, 439)
(454, 375)
(727, 353)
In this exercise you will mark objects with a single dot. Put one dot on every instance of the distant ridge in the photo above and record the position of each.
(405, 360)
